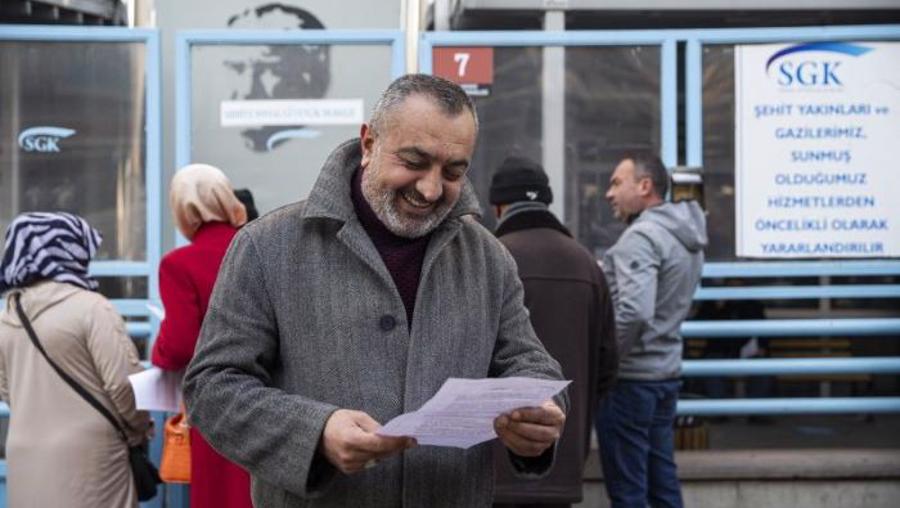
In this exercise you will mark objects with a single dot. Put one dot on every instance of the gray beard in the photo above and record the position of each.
(383, 203)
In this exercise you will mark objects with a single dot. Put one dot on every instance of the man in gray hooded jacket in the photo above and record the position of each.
(653, 271)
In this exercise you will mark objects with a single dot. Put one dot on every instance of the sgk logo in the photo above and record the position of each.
(43, 139)
(815, 70)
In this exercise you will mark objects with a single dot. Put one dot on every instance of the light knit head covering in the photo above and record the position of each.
(201, 193)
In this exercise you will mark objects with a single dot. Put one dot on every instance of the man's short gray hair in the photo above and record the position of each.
(648, 165)
(449, 96)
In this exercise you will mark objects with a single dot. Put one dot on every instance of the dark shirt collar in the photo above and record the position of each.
(530, 220)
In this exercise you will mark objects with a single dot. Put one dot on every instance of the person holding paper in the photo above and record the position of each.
(653, 271)
(336, 314)
(208, 214)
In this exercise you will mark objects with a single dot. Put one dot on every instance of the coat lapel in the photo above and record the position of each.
(355, 238)
(466, 208)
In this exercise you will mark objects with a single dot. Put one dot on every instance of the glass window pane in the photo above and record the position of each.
(510, 118)
(612, 106)
(279, 163)
(718, 150)
(72, 137)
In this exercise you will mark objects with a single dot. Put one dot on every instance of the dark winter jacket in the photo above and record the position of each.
(571, 311)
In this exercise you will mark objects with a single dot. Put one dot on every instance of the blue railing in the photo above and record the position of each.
(887, 327)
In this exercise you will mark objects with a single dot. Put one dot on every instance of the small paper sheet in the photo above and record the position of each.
(157, 390)
(461, 414)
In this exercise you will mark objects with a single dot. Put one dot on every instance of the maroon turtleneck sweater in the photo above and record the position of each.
(403, 257)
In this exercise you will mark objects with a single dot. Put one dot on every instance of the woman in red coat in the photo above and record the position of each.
(208, 214)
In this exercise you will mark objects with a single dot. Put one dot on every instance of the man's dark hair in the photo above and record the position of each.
(648, 165)
(246, 199)
(449, 96)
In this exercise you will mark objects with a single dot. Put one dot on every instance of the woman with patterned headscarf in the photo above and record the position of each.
(208, 214)
(60, 451)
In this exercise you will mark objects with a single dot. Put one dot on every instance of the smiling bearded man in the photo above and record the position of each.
(408, 192)
(335, 314)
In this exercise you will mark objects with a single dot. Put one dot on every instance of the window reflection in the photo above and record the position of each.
(612, 106)
(72, 137)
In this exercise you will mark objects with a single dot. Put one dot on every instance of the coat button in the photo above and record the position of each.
(387, 323)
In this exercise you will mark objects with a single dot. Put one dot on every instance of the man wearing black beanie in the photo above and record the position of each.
(571, 312)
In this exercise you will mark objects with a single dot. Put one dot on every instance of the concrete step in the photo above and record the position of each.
(777, 464)
(803, 478)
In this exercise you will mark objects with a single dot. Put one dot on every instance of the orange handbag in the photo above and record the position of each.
(175, 466)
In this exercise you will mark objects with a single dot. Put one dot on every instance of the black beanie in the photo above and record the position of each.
(520, 179)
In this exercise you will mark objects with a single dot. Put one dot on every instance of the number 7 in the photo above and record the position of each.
(462, 59)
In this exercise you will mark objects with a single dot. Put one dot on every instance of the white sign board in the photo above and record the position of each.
(817, 173)
(291, 112)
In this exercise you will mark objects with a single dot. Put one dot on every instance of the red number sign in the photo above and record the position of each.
(465, 66)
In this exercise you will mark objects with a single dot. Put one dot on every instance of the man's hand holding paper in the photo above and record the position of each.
(465, 412)
(528, 432)
(349, 441)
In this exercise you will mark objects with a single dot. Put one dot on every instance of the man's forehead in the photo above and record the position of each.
(624, 168)
(414, 105)
(433, 132)
(433, 152)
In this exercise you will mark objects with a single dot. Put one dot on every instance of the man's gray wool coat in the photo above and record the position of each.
(305, 319)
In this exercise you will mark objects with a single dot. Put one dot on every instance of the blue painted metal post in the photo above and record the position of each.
(668, 94)
(693, 91)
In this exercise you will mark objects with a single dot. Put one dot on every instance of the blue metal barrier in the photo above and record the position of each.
(888, 326)
(798, 292)
(767, 269)
(789, 406)
(856, 327)
(791, 366)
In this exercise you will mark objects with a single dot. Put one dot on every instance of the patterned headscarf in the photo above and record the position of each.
(48, 246)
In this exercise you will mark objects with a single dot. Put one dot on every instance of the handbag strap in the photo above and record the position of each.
(68, 379)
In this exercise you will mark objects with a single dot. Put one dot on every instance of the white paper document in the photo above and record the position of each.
(157, 390)
(461, 414)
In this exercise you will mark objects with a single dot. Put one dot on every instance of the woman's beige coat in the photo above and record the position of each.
(60, 451)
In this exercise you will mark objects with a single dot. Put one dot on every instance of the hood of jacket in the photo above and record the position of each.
(685, 220)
